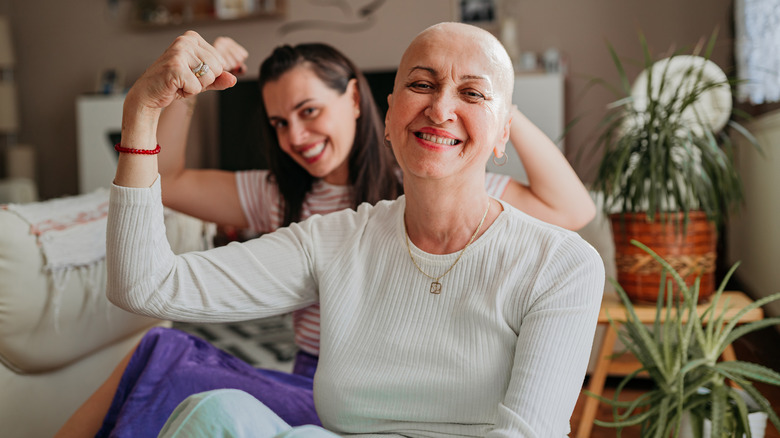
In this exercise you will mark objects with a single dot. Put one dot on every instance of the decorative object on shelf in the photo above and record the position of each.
(231, 9)
(350, 21)
(680, 354)
(668, 166)
(478, 12)
(110, 81)
(149, 14)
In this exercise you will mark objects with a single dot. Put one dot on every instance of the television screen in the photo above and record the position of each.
(239, 125)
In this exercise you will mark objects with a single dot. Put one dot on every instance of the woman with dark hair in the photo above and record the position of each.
(369, 168)
(327, 152)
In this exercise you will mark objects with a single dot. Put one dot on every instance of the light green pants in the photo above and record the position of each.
(231, 413)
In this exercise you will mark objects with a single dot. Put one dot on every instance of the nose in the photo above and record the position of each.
(297, 132)
(441, 108)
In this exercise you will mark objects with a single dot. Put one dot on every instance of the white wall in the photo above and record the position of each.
(754, 233)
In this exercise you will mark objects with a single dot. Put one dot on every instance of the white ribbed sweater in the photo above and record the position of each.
(501, 352)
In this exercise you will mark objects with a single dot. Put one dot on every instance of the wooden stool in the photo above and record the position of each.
(626, 364)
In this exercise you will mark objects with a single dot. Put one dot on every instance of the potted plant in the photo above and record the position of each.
(667, 174)
(680, 354)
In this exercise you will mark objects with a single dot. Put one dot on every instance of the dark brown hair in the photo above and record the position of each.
(372, 167)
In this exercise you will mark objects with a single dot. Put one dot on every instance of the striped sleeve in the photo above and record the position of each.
(260, 200)
(495, 184)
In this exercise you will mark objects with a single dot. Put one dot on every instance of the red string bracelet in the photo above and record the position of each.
(119, 148)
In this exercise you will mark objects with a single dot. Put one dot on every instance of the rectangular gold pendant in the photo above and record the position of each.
(436, 287)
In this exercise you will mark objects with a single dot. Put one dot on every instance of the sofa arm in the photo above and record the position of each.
(35, 334)
(43, 327)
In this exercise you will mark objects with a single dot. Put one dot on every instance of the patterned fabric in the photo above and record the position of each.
(71, 233)
(70, 230)
(756, 40)
(261, 202)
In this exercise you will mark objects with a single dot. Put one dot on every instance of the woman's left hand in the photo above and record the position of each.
(235, 54)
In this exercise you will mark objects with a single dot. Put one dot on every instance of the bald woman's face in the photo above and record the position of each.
(450, 103)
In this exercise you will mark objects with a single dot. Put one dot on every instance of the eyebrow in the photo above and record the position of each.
(302, 103)
(297, 106)
(434, 73)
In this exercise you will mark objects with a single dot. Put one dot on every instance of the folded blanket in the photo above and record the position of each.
(71, 232)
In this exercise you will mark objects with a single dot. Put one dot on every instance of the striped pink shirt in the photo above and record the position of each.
(261, 202)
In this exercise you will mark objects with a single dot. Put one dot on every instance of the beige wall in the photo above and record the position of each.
(753, 235)
(61, 45)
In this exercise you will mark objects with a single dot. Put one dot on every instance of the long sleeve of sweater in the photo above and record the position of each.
(226, 284)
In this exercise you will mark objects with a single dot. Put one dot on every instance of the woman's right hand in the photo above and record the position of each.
(171, 76)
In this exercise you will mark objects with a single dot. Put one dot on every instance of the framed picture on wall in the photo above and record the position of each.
(483, 13)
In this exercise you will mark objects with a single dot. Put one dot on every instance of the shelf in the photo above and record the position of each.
(166, 14)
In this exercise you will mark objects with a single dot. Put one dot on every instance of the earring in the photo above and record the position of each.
(506, 158)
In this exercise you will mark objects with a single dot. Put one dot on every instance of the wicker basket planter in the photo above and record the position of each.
(691, 251)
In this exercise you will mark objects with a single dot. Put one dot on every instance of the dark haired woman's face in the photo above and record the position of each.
(315, 124)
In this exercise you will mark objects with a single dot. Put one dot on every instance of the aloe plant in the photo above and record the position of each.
(657, 161)
(680, 353)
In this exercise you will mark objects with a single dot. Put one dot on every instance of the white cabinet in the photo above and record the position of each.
(99, 123)
(540, 96)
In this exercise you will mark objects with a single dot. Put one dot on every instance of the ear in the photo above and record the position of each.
(354, 91)
(501, 146)
(387, 115)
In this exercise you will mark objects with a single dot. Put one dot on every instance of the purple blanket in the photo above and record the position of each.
(170, 365)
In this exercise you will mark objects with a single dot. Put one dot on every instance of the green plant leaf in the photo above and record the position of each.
(744, 329)
(653, 160)
(750, 370)
(747, 327)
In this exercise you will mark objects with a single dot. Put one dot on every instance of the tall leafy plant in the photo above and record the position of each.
(680, 354)
(656, 159)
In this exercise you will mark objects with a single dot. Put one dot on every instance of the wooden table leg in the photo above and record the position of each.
(728, 353)
(596, 383)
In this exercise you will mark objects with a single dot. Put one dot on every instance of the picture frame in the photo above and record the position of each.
(483, 13)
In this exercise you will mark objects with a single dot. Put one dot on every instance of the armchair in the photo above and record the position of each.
(59, 336)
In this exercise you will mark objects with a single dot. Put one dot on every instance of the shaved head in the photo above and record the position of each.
(451, 37)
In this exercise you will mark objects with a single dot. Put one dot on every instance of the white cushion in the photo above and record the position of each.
(40, 331)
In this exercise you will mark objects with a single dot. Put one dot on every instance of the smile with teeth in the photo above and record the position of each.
(313, 151)
(436, 139)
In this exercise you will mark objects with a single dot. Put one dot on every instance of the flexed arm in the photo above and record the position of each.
(207, 194)
(554, 193)
(171, 77)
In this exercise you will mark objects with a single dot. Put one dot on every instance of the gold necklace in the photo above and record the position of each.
(435, 284)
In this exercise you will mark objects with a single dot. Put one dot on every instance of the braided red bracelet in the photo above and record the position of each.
(154, 151)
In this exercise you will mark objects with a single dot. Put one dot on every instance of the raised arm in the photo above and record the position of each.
(207, 194)
(171, 77)
(554, 193)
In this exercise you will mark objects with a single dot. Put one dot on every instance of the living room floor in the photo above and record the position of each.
(762, 347)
